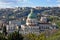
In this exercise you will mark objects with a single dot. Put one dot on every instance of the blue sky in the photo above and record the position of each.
(29, 3)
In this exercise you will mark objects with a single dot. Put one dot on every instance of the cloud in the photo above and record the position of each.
(25, 3)
(10, 2)
(29, 3)
(7, 3)
(4, 6)
(1, 3)
(58, 5)
(58, 0)
(13, 3)
(22, 0)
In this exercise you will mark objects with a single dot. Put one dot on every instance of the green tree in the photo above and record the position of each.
(15, 36)
(30, 37)
(2, 37)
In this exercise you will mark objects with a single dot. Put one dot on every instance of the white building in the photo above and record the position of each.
(11, 27)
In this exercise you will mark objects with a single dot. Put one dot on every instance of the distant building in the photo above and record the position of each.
(33, 25)
(11, 27)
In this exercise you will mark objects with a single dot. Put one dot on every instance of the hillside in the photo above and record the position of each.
(21, 12)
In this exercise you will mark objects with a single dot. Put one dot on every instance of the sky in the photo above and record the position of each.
(29, 3)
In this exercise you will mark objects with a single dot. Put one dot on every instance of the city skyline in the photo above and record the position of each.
(29, 3)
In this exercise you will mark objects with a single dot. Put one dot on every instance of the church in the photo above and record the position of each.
(34, 26)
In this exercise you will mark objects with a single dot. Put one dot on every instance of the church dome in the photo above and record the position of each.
(32, 15)
(31, 19)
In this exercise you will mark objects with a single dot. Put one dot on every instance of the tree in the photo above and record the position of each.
(15, 36)
(30, 37)
(2, 37)
(4, 30)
